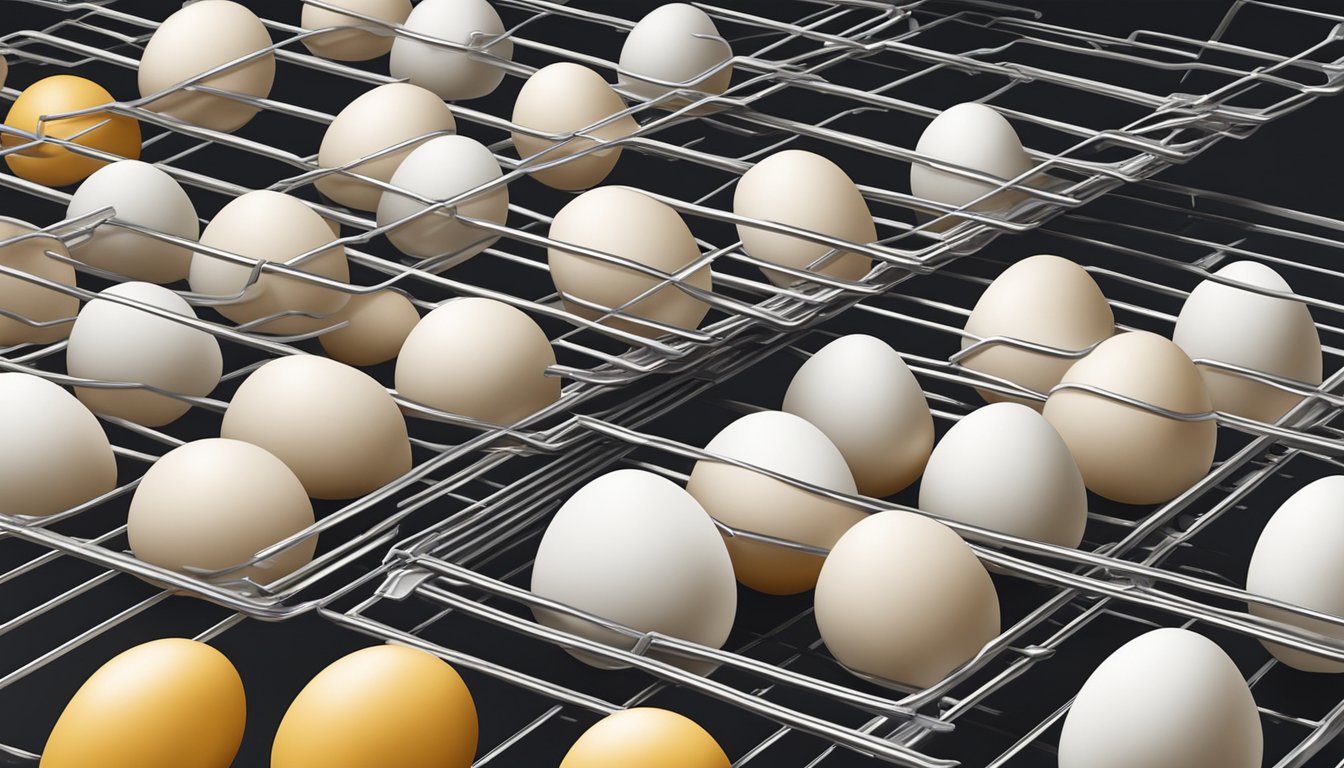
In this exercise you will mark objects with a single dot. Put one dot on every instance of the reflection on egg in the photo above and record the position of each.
(452, 74)
(1170, 697)
(145, 196)
(377, 325)
(973, 136)
(171, 703)
(55, 165)
(677, 44)
(40, 305)
(369, 42)
(645, 737)
(562, 99)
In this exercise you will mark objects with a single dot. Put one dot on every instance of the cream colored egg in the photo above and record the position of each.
(623, 222)
(117, 342)
(213, 504)
(645, 737)
(377, 325)
(479, 358)
(56, 453)
(360, 40)
(749, 501)
(565, 99)
(335, 426)
(902, 597)
(393, 115)
(272, 227)
(675, 43)
(804, 190)
(4, 71)
(38, 304)
(197, 39)
(973, 136)
(453, 74)
(1126, 453)
(145, 196)
(860, 393)
(1043, 300)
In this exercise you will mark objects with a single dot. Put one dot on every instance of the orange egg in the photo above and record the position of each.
(645, 737)
(52, 164)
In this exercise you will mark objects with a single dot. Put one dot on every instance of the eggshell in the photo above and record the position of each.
(379, 323)
(624, 222)
(171, 703)
(384, 117)
(441, 169)
(1298, 560)
(143, 195)
(1043, 300)
(480, 358)
(645, 737)
(270, 226)
(1170, 697)
(903, 598)
(4, 71)
(1263, 333)
(452, 74)
(1125, 453)
(386, 705)
(562, 99)
(215, 503)
(752, 502)
(860, 393)
(1003, 467)
(54, 165)
(335, 426)
(974, 136)
(56, 453)
(674, 43)
(197, 39)
(634, 548)
(120, 343)
(804, 190)
(29, 300)
(368, 42)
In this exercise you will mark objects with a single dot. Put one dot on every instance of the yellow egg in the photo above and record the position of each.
(170, 703)
(52, 164)
(383, 706)
(645, 737)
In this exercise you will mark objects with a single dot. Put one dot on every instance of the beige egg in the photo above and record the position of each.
(273, 227)
(386, 116)
(1125, 453)
(196, 39)
(624, 222)
(353, 44)
(335, 426)
(1044, 300)
(379, 323)
(566, 98)
(30, 300)
(804, 190)
(479, 358)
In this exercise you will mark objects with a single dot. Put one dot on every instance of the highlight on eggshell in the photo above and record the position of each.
(114, 136)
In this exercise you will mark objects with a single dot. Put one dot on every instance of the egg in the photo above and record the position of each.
(1298, 560)
(390, 115)
(4, 71)
(1263, 333)
(804, 190)
(115, 342)
(634, 548)
(40, 305)
(201, 37)
(1045, 300)
(453, 74)
(377, 325)
(142, 195)
(1170, 697)
(1126, 453)
(563, 99)
(645, 737)
(479, 358)
(441, 169)
(974, 136)
(749, 501)
(52, 164)
(170, 703)
(335, 426)
(1003, 467)
(273, 227)
(675, 43)
(860, 393)
(56, 453)
(369, 41)
(624, 222)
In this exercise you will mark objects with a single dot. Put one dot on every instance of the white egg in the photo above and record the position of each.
(120, 343)
(362, 40)
(1263, 333)
(675, 43)
(1170, 697)
(565, 99)
(973, 136)
(441, 169)
(859, 391)
(636, 549)
(755, 503)
(452, 74)
(1003, 467)
(145, 196)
